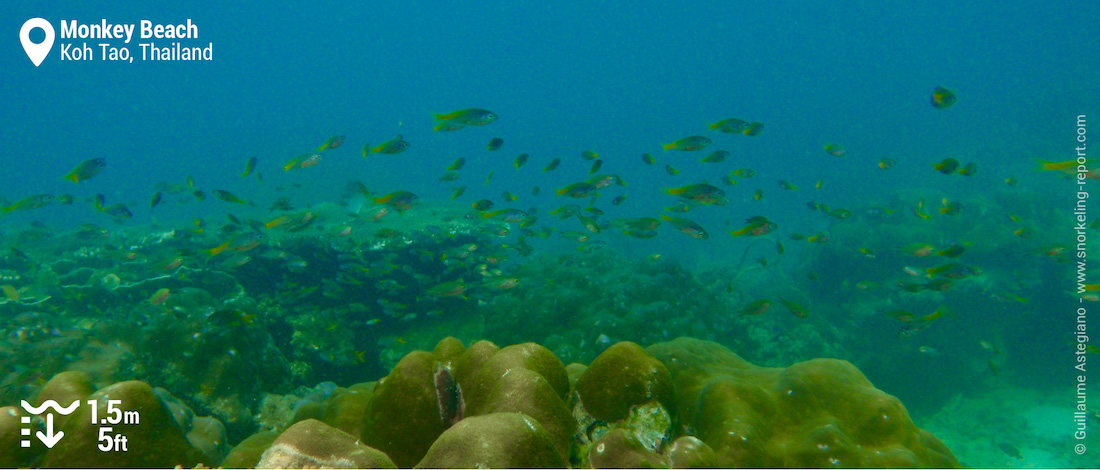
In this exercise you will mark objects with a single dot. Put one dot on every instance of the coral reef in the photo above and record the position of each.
(240, 342)
(495, 440)
(159, 439)
(15, 455)
(683, 403)
(622, 378)
(817, 413)
(313, 444)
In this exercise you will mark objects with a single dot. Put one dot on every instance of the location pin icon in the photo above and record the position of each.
(37, 52)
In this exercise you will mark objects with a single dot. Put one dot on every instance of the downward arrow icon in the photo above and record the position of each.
(49, 438)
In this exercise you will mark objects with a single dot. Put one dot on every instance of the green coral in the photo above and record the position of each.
(497, 440)
(684, 403)
(622, 377)
(313, 444)
(817, 413)
(403, 416)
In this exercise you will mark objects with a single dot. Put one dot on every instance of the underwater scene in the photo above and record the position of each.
(564, 234)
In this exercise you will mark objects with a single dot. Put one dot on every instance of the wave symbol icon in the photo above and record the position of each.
(50, 404)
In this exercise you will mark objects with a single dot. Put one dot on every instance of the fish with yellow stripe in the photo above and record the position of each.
(688, 144)
(464, 117)
(395, 145)
(400, 200)
(86, 170)
(1072, 167)
(756, 226)
(702, 193)
(237, 244)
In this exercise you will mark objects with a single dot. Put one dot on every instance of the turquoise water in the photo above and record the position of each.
(337, 300)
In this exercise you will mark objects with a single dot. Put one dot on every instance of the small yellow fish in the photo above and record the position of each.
(277, 222)
(942, 98)
(756, 308)
(332, 143)
(159, 296)
(731, 126)
(796, 309)
(918, 210)
(947, 166)
(304, 160)
(835, 150)
(756, 226)
(86, 170)
(687, 226)
(717, 156)
(689, 144)
(447, 289)
(468, 117)
(228, 196)
(249, 166)
(595, 166)
(10, 292)
(969, 170)
(30, 202)
(483, 205)
(392, 146)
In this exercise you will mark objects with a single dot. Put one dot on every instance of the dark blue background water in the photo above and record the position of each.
(617, 78)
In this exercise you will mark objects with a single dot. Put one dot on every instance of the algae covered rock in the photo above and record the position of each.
(690, 452)
(344, 409)
(313, 444)
(498, 440)
(525, 391)
(529, 356)
(618, 449)
(14, 455)
(469, 363)
(448, 349)
(248, 452)
(818, 413)
(207, 435)
(426, 393)
(403, 417)
(622, 377)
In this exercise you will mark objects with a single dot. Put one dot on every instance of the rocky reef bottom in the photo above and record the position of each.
(677, 404)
